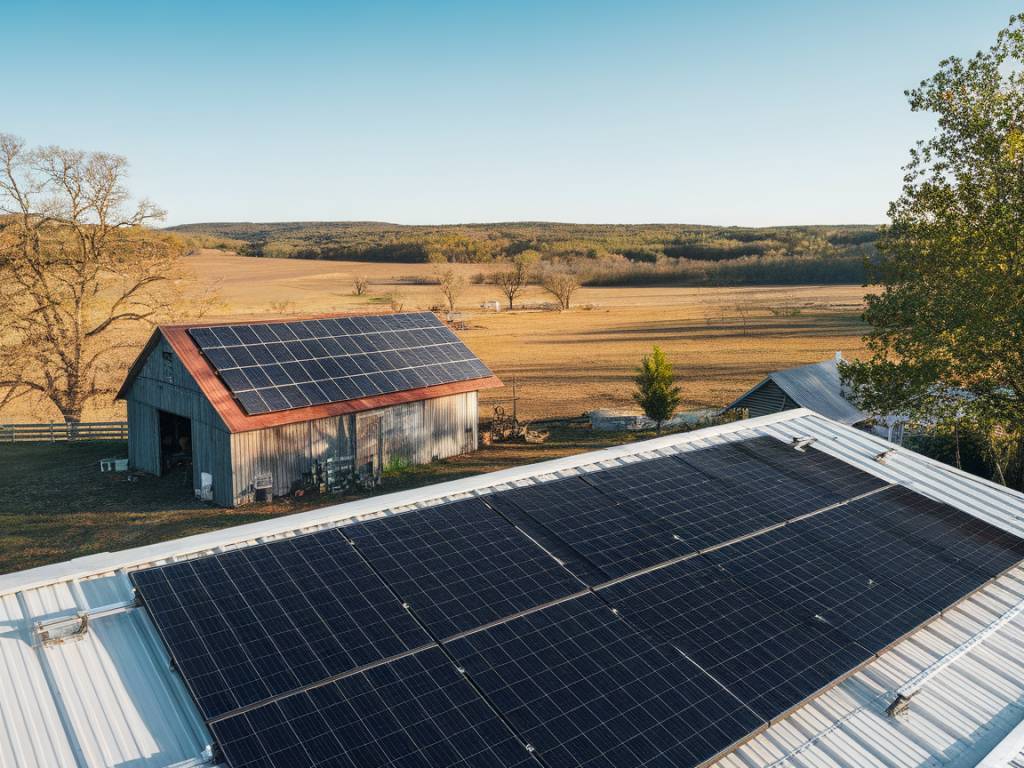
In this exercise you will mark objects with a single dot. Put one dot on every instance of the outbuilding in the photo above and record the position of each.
(818, 387)
(262, 407)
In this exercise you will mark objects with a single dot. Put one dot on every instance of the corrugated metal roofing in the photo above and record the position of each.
(110, 698)
(817, 387)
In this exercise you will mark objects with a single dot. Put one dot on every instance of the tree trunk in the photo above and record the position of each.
(72, 418)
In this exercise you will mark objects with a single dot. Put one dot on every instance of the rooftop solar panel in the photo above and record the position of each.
(585, 689)
(461, 565)
(794, 571)
(414, 712)
(283, 365)
(615, 539)
(263, 620)
(769, 656)
(854, 532)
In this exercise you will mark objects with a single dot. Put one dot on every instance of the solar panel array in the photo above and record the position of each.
(283, 365)
(650, 614)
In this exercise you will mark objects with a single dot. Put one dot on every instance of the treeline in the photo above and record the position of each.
(608, 254)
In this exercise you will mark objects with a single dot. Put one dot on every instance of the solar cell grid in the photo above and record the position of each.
(585, 689)
(766, 654)
(414, 712)
(794, 570)
(930, 524)
(932, 576)
(259, 621)
(460, 565)
(699, 510)
(277, 366)
(615, 539)
(750, 480)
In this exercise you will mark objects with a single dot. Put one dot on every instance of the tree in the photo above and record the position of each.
(451, 284)
(947, 331)
(561, 281)
(360, 284)
(656, 391)
(513, 278)
(80, 275)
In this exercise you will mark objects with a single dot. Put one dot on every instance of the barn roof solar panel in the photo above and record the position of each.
(278, 366)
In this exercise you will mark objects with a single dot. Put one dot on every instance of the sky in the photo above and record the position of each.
(728, 113)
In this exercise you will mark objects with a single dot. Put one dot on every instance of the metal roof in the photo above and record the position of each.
(108, 697)
(818, 387)
(232, 414)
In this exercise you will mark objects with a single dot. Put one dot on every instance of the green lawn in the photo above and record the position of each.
(55, 504)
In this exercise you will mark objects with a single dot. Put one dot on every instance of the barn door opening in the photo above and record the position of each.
(369, 446)
(175, 441)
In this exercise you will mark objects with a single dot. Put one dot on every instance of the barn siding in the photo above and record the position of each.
(765, 399)
(143, 437)
(286, 452)
(416, 432)
(164, 384)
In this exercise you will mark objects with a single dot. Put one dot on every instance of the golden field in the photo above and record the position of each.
(721, 340)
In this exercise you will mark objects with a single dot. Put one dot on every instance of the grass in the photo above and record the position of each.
(57, 505)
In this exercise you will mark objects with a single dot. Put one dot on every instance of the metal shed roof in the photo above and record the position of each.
(109, 697)
(818, 387)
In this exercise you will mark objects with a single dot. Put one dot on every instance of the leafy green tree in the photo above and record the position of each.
(947, 331)
(656, 391)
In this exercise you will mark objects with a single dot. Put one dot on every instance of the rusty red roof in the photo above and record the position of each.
(237, 420)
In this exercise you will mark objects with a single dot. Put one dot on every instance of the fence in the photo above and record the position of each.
(61, 432)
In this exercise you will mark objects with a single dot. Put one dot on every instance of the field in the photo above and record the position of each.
(721, 340)
(57, 505)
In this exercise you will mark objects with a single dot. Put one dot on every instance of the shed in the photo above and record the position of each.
(816, 386)
(252, 405)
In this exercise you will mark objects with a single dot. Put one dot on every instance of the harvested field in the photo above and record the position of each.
(722, 340)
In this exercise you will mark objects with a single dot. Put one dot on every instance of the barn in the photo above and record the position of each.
(817, 386)
(256, 408)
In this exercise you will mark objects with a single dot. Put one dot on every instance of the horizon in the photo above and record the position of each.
(415, 114)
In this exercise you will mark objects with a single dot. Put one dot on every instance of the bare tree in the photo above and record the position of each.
(81, 275)
(451, 284)
(561, 281)
(360, 284)
(514, 278)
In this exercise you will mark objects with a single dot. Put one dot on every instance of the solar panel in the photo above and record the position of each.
(701, 511)
(282, 365)
(811, 581)
(613, 538)
(585, 689)
(936, 526)
(460, 565)
(771, 657)
(263, 620)
(416, 711)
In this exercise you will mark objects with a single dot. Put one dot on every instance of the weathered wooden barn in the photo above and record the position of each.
(257, 404)
(817, 386)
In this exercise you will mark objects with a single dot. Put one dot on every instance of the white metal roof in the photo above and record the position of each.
(110, 698)
(817, 386)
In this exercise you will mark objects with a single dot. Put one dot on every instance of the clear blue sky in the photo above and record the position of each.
(437, 112)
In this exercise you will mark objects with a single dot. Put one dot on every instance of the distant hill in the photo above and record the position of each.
(611, 253)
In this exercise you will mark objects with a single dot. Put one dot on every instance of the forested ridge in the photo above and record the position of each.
(608, 254)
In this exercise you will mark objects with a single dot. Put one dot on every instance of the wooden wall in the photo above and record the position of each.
(163, 384)
(286, 452)
(414, 432)
(766, 399)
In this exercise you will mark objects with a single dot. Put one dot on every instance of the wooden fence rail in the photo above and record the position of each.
(59, 432)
